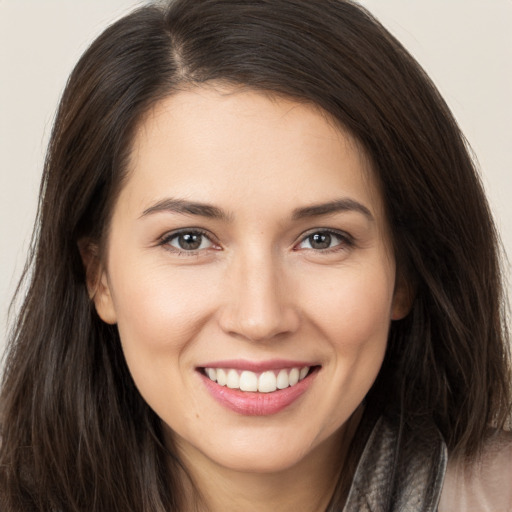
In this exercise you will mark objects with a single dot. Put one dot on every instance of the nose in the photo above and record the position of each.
(260, 304)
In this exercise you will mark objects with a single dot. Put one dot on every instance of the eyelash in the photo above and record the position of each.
(169, 237)
(346, 241)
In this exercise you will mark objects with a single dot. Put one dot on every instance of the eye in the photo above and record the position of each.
(188, 241)
(324, 240)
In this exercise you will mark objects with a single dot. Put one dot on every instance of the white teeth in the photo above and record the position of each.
(294, 376)
(233, 380)
(221, 377)
(248, 381)
(266, 382)
(282, 379)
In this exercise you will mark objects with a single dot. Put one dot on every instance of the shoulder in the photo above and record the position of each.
(481, 485)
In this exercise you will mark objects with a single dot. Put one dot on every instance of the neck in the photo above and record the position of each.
(306, 487)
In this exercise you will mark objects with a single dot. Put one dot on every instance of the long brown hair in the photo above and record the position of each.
(76, 435)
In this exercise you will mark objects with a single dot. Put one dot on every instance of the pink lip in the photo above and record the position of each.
(257, 404)
(257, 367)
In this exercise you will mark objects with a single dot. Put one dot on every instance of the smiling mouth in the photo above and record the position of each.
(263, 382)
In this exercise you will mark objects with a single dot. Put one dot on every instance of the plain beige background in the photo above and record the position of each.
(465, 46)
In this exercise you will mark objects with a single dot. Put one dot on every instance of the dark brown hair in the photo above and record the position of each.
(76, 435)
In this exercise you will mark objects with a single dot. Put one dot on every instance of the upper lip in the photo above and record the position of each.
(257, 366)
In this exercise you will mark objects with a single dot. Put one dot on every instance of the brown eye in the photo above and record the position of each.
(324, 240)
(189, 241)
(320, 240)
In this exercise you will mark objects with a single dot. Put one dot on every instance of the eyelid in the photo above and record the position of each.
(347, 240)
(170, 235)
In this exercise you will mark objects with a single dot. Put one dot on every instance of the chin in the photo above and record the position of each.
(260, 459)
(260, 450)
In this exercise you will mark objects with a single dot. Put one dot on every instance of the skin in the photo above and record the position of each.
(256, 289)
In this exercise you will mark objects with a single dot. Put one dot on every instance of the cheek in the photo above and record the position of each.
(353, 309)
(352, 318)
(159, 308)
(159, 314)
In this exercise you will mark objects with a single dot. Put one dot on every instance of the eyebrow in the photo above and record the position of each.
(339, 205)
(187, 208)
(182, 206)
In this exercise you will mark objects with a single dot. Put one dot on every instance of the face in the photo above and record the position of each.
(250, 272)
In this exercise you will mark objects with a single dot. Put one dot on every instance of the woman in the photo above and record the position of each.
(265, 276)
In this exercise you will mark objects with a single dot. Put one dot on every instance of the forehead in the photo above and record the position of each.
(229, 145)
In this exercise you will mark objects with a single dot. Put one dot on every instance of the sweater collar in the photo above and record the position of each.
(402, 468)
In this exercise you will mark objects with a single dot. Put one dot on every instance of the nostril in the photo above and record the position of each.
(259, 324)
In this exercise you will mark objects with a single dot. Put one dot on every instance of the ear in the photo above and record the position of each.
(403, 297)
(96, 280)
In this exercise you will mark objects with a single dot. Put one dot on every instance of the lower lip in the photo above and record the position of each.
(257, 404)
